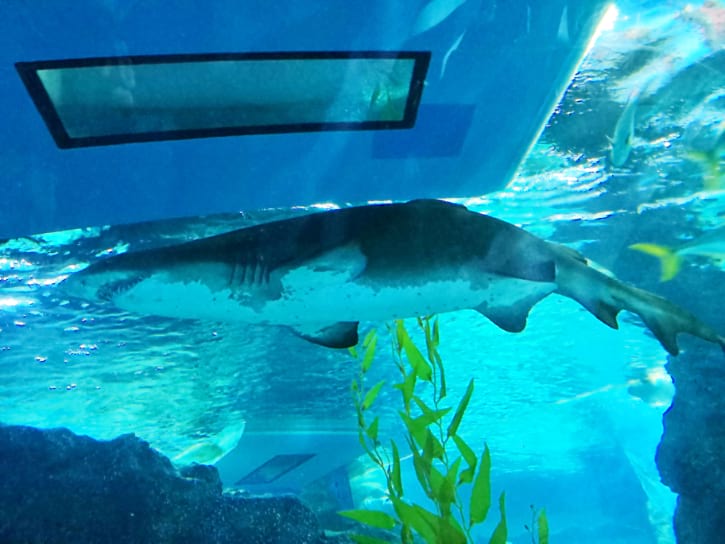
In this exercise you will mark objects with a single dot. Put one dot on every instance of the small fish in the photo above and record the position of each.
(451, 50)
(710, 161)
(621, 141)
(562, 34)
(710, 244)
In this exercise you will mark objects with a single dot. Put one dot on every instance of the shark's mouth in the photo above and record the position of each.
(114, 288)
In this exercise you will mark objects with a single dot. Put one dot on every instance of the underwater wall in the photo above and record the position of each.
(689, 456)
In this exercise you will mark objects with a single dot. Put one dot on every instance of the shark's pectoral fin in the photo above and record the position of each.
(336, 335)
(338, 265)
(505, 318)
(511, 312)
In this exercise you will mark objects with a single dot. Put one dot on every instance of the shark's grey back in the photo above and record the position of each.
(395, 238)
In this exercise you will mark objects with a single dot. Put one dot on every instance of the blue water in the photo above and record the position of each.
(553, 403)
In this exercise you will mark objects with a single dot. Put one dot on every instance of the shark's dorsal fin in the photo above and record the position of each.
(336, 335)
(512, 317)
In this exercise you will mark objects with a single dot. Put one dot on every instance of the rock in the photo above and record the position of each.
(690, 455)
(56, 486)
(206, 473)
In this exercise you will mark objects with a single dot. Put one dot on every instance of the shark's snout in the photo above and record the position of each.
(77, 286)
(95, 283)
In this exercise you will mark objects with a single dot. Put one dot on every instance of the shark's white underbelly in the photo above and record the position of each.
(304, 298)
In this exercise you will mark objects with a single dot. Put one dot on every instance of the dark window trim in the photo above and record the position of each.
(28, 74)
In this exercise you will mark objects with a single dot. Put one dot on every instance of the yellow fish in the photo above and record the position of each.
(710, 245)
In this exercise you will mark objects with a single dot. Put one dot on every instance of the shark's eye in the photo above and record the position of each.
(109, 290)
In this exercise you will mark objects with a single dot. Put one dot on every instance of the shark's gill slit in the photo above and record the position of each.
(252, 272)
(243, 265)
(109, 290)
(234, 274)
(249, 269)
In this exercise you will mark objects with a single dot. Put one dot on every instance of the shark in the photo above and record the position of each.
(323, 273)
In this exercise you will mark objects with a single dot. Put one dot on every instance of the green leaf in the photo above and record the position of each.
(500, 533)
(466, 475)
(373, 518)
(436, 479)
(429, 340)
(406, 389)
(352, 350)
(371, 395)
(466, 451)
(481, 492)
(449, 532)
(410, 426)
(543, 527)
(429, 416)
(432, 447)
(451, 477)
(422, 469)
(371, 336)
(442, 372)
(418, 519)
(422, 405)
(458, 416)
(370, 342)
(433, 521)
(406, 535)
(395, 475)
(417, 362)
(372, 430)
(365, 539)
(444, 487)
(400, 335)
(431, 343)
(418, 429)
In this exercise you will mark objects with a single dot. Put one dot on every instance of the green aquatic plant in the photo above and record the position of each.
(443, 462)
(539, 529)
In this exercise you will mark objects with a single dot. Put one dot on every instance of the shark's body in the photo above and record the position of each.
(323, 273)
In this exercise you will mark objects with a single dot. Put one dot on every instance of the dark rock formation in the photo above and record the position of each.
(56, 486)
(691, 455)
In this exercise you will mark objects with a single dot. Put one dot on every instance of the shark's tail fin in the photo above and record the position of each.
(664, 318)
(670, 262)
(605, 296)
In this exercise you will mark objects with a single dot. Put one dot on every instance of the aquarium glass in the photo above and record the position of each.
(210, 210)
